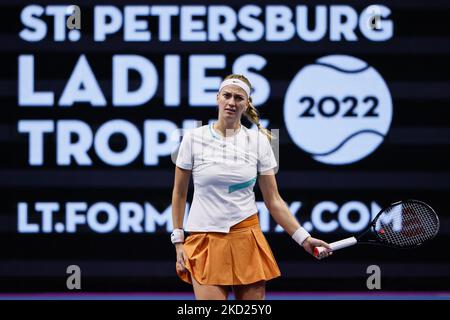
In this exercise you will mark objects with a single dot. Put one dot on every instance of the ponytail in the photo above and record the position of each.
(252, 115)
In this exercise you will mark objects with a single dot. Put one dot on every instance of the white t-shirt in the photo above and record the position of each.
(224, 172)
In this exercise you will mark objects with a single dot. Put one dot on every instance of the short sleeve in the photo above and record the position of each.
(266, 157)
(185, 156)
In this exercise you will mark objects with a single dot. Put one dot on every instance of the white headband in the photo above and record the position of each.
(236, 82)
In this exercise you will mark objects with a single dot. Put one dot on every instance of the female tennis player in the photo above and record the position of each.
(226, 246)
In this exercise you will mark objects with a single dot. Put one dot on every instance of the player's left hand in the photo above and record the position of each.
(310, 243)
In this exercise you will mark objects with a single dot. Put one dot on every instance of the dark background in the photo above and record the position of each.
(412, 162)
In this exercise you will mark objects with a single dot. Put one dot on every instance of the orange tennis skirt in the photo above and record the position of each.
(241, 256)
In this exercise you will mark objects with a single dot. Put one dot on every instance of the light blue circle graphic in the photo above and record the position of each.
(338, 109)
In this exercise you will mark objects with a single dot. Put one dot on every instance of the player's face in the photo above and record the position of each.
(232, 101)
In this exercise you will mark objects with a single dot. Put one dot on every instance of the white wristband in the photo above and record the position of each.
(177, 236)
(300, 235)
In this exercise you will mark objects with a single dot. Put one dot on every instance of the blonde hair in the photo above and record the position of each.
(251, 113)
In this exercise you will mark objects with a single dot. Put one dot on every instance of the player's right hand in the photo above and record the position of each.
(181, 257)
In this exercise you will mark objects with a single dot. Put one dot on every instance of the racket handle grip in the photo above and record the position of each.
(344, 243)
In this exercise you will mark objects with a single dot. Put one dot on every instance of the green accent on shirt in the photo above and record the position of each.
(212, 132)
(242, 185)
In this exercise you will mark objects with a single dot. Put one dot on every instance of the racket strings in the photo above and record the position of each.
(407, 224)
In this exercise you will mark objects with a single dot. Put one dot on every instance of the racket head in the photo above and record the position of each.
(406, 224)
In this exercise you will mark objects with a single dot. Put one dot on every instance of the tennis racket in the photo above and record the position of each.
(403, 224)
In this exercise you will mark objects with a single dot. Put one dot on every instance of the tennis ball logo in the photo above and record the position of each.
(338, 109)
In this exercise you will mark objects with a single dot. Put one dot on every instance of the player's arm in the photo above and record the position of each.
(179, 195)
(276, 205)
(281, 214)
